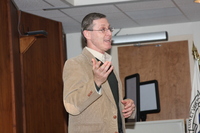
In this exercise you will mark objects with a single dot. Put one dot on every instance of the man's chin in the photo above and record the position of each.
(108, 48)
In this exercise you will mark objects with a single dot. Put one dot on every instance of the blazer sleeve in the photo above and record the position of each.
(79, 87)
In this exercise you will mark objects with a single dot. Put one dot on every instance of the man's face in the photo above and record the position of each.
(98, 40)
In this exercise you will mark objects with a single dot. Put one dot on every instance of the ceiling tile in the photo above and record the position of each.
(120, 15)
(47, 14)
(30, 5)
(145, 5)
(92, 2)
(120, 20)
(57, 3)
(154, 13)
(184, 2)
(192, 12)
(85, 10)
(163, 20)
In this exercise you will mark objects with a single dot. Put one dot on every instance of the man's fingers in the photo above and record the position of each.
(96, 64)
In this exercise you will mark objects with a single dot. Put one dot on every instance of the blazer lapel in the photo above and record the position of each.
(105, 86)
(106, 89)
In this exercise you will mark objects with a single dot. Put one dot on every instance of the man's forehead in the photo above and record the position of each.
(101, 22)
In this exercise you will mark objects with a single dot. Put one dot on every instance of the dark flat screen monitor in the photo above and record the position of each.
(149, 98)
(132, 84)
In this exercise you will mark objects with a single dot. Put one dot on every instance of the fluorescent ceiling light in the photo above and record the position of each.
(138, 38)
(94, 2)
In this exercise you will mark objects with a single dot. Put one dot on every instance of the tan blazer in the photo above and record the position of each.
(89, 112)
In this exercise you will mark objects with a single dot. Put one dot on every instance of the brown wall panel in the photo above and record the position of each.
(10, 75)
(5, 77)
(30, 83)
(42, 77)
(169, 64)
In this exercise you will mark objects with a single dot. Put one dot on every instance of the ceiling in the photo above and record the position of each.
(120, 15)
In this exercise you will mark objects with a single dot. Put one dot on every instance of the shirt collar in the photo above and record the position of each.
(102, 57)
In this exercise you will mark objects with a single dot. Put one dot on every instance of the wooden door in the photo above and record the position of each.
(169, 65)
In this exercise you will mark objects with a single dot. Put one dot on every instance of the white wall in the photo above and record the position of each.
(181, 31)
(164, 126)
(74, 45)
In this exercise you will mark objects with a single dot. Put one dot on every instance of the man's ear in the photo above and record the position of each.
(86, 34)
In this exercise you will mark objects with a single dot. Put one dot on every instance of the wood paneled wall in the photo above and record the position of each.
(10, 71)
(31, 82)
(42, 66)
(167, 63)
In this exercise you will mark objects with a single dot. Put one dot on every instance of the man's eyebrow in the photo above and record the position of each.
(105, 25)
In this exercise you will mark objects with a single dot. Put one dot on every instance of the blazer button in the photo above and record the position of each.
(90, 93)
(114, 116)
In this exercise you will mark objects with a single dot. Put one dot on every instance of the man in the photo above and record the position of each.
(92, 91)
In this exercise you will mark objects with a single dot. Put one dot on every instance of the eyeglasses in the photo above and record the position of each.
(103, 30)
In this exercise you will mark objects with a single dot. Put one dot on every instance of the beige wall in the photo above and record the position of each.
(74, 45)
(176, 32)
